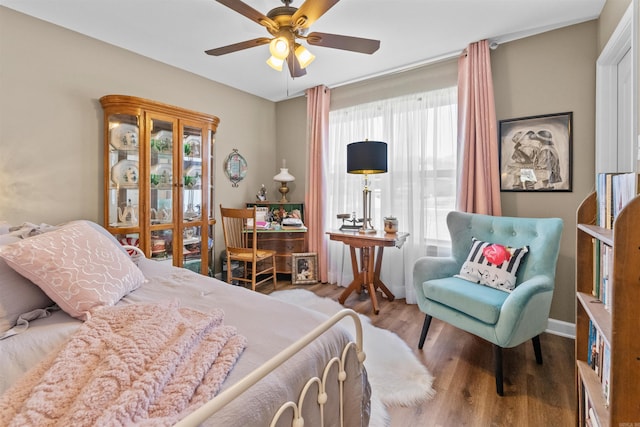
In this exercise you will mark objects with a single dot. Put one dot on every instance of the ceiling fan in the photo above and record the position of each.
(287, 25)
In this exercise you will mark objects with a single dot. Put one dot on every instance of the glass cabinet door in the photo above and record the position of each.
(161, 180)
(211, 202)
(192, 197)
(123, 165)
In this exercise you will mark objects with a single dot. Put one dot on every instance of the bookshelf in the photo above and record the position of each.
(616, 325)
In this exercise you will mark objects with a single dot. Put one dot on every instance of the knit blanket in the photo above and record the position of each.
(147, 364)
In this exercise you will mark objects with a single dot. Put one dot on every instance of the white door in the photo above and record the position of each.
(615, 147)
(626, 151)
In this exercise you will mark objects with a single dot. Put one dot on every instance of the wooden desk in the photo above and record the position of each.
(366, 276)
(285, 242)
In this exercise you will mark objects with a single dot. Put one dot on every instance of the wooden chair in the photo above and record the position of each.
(242, 245)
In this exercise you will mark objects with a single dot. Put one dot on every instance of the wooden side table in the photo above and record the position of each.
(366, 275)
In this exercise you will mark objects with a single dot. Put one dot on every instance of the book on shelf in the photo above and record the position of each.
(599, 358)
(606, 372)
(591, 354)
(602, 266)
(592, 419)
(614, 190)
(606, 263)
(596, 268)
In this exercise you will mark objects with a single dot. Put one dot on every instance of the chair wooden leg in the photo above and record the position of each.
(253, 276)
(425, 329)
(275, 274)
(536, 349)
(497, 365)
(229, 270)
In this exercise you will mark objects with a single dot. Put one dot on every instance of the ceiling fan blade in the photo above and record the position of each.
(294, 67)
(355, 44)
(246, 10)
(309, 12)
(237, 46)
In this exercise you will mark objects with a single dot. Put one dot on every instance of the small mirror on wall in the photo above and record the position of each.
(235, 167)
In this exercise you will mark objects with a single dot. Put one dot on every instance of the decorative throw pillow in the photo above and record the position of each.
(101, 229)
(18, 295)
(493, 265)
(76, 266)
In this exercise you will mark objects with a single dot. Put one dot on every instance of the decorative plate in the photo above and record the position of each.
(124, 174)
(192, 176)
(124, 137)
(235, 167)
(162, 141)
(192, 146)
(161, 175)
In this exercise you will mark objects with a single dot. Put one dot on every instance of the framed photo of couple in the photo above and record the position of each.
(536, 153)
(304, 268)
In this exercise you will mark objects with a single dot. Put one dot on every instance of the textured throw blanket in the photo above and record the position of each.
(147, 364)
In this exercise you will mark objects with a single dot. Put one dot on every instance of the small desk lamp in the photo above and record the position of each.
(367, 157)
(283, 177)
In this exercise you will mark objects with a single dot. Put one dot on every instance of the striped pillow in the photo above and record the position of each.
(493, 264)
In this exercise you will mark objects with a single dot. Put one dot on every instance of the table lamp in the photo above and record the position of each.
(283, 177)
(366, 157)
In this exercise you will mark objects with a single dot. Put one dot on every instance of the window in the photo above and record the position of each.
(419, 189)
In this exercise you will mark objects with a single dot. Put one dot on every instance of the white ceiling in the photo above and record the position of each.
(411, 32)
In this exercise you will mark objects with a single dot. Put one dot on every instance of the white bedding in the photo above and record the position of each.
(268, 324)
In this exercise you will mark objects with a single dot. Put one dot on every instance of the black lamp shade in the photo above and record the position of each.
(367, 157)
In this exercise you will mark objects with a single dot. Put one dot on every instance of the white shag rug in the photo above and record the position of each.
(396, 376)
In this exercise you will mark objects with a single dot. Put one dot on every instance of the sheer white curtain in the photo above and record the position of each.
(419, 189)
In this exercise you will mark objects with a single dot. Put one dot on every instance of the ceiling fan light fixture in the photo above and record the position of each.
(275, 63)
(279, 48)
(287, 25)
(304, 56)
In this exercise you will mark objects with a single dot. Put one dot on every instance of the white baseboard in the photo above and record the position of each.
(561, 328)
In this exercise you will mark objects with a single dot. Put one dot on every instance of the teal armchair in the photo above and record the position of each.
(506, 319)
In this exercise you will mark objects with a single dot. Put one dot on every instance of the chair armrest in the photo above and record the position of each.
(429, 268)
(525, 312)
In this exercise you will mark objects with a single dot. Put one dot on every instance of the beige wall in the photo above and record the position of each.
(291, 136)
(429, 77)
(609, 19)
(553, 72)
(51, 120)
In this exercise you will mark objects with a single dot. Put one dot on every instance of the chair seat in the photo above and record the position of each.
(248, 256)
(478, 301)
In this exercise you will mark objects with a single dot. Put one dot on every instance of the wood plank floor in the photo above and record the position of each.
(462, 364)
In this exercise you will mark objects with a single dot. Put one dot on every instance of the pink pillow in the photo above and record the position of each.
(79, 268)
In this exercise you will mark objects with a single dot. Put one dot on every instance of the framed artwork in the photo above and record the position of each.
(536, 153)
(304, 268)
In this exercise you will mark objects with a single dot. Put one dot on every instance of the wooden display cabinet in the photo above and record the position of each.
(158, 190)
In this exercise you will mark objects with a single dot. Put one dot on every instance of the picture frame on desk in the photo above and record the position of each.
(304, 268)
